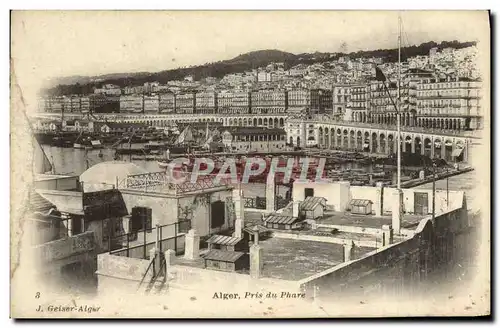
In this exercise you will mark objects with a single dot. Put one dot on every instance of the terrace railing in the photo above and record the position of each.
(163, 182)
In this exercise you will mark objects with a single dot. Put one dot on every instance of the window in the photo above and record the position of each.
(308, 192)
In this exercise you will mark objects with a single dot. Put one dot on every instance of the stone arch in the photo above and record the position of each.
(339, 137)
(390, 144)
(332, 137)
(437, 147)
(366, 141)
(254, 122)
(320, 132)
(374, 146)
(418, 145)
(282, 122)
(359, 140)
(352, 140)
(382, 143)
(327, 138)
(427, 146)
(260, 122)
(407, 144)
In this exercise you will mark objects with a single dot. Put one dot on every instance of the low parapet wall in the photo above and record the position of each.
(397, 267)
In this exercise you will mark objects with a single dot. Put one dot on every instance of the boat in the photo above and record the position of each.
(96, 144)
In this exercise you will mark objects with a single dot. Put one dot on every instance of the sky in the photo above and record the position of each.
(46, 44)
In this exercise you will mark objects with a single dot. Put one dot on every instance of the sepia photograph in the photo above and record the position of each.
(250, 164)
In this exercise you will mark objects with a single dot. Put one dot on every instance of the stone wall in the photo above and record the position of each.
(394, 269)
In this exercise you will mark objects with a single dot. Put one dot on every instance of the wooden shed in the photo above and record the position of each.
(313, 207)
(282, 222)
(226, 261)
(361, 206)
(227, 243)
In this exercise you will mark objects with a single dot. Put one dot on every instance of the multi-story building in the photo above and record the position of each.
(185, 103)
(166, 103)
(253, 139)
(298, 100)
(449, 104)
(151, 103)
(206, 103)
(269, 102)
(359, 102)
(133, 90)
(68, 104)
(108, 90)
(341, 95)
(104, 104)
(233, 102)
(150, 87)
(321, 101)
(315, 100)
(132, 103)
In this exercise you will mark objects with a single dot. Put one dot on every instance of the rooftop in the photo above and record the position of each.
(290, 259)
(367, 221)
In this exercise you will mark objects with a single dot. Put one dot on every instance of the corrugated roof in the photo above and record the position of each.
(224, 256)
(310, 203)
(224, 240)
(360, 202)
(281, 219)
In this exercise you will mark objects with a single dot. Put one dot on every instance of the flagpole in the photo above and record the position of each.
(398, 115)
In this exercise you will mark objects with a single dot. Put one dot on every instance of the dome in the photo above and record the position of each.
(104, 175)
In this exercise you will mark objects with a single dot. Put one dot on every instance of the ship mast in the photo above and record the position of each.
(398, 103)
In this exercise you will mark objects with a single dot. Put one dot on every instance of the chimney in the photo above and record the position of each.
(256, 256)
(388, 235)
(348, 250)
(192, 245)
(397, 210)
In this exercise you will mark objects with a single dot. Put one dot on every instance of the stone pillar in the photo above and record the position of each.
(270, 193)
(432, 148)
(295, 209)
(348, 250)
(443, 149)
(256, 260)
(69, 223)
(388, 234)
(127, 220)
(397, 210)
(169, 257)
(192, 245)
(379, 201)
(238, 228)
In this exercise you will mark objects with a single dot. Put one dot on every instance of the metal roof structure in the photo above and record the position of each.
(224, 256)
(360, 202)
(310, 203)
(224, 240)
(280, 219)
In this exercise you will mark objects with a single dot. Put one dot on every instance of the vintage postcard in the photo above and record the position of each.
(250, 164)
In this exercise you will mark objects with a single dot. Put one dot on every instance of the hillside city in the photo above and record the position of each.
(438, 90)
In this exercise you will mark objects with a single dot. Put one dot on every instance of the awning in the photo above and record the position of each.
(457, 152)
